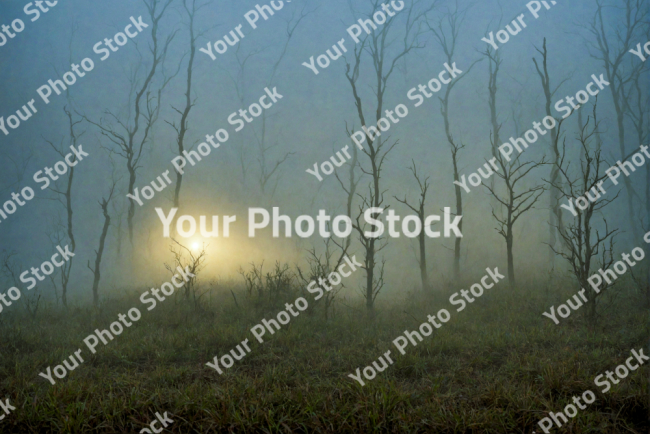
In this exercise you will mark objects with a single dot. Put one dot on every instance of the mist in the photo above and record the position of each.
(188, 126)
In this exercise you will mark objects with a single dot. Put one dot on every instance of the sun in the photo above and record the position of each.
(195, 246)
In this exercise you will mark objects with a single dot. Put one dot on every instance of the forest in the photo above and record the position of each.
(405, 216)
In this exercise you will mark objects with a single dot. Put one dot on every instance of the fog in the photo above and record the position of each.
(264, 165)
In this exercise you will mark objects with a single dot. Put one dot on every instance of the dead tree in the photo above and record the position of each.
(63, 186)
(583, 244)
(144, 106)
(447, 40)
(102, 241)
(555, 213)
(320, 267)
(12, 269)
(419, 210)
(514, 202)
(192, 262)
(494, 65)
(64, 194)
(637, 108)
(239, 84)
(612, 50)
(191, 9)
(254, 280)
(268, 171)
(384, 62)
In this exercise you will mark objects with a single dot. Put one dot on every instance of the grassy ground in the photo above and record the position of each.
(496, 367)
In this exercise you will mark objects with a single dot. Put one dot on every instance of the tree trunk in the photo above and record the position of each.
(188, 106)
(459, 211)
(511, 261)
(99, 253)
(131, 213)
(555, 219)
(423, 260)
(620, 121)
(65, 271)
(370, 275)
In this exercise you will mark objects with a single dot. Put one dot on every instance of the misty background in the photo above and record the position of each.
(307, 126)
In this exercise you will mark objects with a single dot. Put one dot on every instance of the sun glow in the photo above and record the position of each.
(195, 246)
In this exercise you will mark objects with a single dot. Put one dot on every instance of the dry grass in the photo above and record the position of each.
(496, 367)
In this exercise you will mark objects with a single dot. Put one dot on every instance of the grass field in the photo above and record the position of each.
(496, 367)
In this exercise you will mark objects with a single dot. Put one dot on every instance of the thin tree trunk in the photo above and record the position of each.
(509, 248)
(131, 212)
(182, 129)
(423, 260)
(459, 211)
(629, 189)
(65, 272)
(555, 218)
(99, 252)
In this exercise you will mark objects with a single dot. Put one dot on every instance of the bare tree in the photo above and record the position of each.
(126, 137)
(555, 215)
(447, 38)
(320, 267)
(384, 62)
(514, 203)
(102, 241)
(494, 65)
(254, 280)
(64, 194)
(268, 170)
(191, 9)
(272, 287)
(192, 262)
(611, 50)
(12, 269)
(63, 186)
(239, 84)
(581, 245)
(419, 210)
(637, 107)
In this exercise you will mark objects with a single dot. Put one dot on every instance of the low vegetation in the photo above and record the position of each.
(497, 367)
